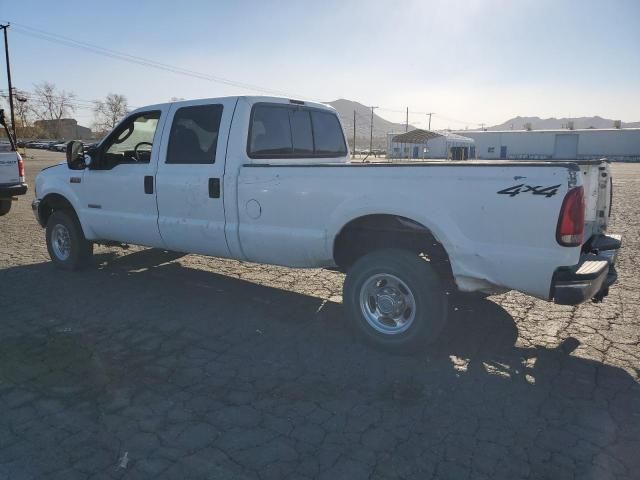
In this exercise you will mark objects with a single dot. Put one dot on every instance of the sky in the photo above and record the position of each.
(470, 62)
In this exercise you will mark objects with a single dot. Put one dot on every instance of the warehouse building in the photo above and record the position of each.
(65, 128)
(424, 144)
(612, 143)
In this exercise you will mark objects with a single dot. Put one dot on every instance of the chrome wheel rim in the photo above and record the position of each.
(387, 303)
(61, 242)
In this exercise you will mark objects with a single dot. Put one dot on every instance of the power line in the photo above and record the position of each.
(33, 98)
(33, 95)
(70, 42)
(42, 102)
(146, 62)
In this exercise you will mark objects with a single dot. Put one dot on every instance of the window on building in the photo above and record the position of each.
(194, 135)
(491, 149)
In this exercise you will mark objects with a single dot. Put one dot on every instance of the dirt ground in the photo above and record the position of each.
(153, 365)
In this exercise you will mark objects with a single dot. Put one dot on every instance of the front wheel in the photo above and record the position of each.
(5, 206)
(66, 243)
(395, 300)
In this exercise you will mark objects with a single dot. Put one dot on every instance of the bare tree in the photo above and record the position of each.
(22, 109)
(24, 116)
(48, 103)
(109, 112)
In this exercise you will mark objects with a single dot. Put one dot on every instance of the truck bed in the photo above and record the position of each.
(496, 219)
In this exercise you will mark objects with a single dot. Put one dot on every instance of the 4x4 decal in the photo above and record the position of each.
(535, 190)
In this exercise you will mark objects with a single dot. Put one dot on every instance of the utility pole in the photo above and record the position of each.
(371, 135)
(430, 113)
(353, 155)
(6, 55)
(482, 127)
(406, 125)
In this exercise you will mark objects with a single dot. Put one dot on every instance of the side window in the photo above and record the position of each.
(327, 133)
(194, 134)
(132, 141)
(282, 131)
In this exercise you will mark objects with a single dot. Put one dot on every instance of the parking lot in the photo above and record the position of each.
(156, 365)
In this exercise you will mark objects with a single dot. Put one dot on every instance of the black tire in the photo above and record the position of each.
(80, 249)
(423, 283)
(5, 206)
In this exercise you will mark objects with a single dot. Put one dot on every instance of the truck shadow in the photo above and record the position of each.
(142, 325)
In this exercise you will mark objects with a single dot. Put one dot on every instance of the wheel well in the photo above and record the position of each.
(372, 232)
(51, 203)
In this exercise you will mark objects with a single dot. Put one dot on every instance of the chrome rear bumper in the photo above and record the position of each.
(591, 277)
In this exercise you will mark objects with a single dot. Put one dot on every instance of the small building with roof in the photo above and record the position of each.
(424, 144)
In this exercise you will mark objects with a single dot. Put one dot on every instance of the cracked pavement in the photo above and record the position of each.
(156, 365)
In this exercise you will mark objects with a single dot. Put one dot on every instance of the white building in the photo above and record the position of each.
(422, 144)
(615, 144)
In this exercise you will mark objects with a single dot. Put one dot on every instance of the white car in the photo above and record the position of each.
(12, 183)
(269, 180)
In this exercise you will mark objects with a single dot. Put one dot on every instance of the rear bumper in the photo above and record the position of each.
(590, 278)
(13, 190)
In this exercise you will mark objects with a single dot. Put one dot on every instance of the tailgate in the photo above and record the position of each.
(597, 192)
(9, 172)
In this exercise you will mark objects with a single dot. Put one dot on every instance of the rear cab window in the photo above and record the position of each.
(294, 131)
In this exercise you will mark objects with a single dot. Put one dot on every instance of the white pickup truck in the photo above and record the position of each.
(269, 180)
(12, 181)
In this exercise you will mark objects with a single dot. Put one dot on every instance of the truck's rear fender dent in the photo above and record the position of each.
(375, 231)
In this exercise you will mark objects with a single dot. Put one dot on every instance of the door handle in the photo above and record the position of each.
(214, 188)
(148, 184)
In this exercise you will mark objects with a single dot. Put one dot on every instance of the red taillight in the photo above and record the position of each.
(570, 228)
(20, 166)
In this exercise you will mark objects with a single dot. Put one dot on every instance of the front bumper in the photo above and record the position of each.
(35, 207)
(591, 277)
(13, 190)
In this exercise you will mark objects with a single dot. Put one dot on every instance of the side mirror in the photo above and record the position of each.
(75, 155)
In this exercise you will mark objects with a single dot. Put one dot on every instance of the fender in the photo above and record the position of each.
(402, 206)
(55, 181)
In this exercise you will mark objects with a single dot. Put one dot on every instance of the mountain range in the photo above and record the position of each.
(381, 126)
(537, 123)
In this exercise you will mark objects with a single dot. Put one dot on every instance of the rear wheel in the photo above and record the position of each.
(5, 206)
(395, 300)
(66, 244)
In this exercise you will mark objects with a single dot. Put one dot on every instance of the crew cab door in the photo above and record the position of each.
(189, 177)
(118, 190)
